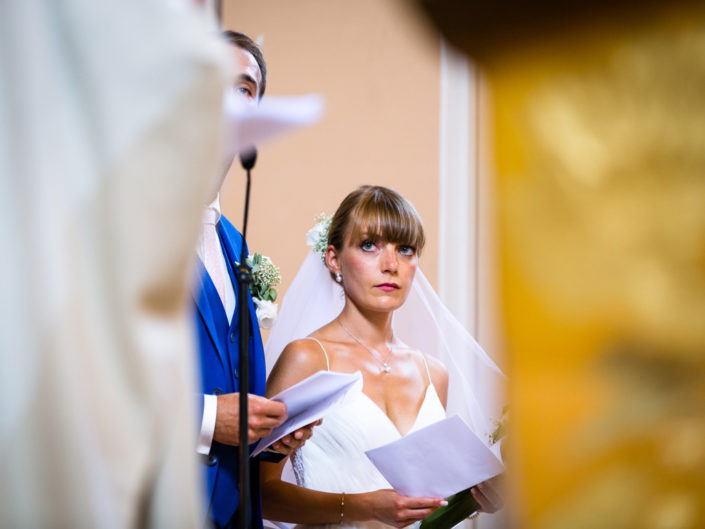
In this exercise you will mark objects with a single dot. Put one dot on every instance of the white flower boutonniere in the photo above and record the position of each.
(317, 237)
(266, 313)
(266, 276)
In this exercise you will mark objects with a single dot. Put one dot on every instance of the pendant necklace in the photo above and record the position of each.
(386, 368)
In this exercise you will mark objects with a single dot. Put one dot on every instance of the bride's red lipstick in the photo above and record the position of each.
(388, 287)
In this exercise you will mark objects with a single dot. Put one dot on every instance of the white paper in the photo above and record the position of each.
(310, 400)
(248, 126)
(436, 461)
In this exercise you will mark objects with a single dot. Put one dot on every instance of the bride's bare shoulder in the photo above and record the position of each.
(299, 359)
(304, 352)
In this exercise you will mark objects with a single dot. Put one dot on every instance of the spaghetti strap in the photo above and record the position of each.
(428, 372)
(325, 353)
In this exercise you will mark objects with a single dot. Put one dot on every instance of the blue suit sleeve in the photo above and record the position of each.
(269, 457)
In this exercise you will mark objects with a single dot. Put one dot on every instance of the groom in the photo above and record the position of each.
(218, 338)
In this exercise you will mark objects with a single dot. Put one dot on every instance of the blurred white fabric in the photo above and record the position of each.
(109, 117)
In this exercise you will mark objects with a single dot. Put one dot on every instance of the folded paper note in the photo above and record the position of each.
(247, 126)
(310, 400)
(436, 461)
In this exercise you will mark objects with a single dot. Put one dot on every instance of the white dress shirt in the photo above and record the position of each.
(210, 402)
(230, 298)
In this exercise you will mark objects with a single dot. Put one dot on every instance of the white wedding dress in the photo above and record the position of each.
(334, 460)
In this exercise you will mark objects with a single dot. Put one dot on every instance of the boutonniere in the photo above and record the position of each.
(265, 276)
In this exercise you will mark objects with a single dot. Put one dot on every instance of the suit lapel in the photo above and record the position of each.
(231, 257)
(200, 297)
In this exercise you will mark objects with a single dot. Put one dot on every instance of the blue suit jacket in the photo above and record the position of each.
(218, 344)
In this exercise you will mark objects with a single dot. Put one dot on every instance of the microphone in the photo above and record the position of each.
(248, 158)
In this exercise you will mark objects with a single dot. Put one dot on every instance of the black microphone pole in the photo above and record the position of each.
(247, 159)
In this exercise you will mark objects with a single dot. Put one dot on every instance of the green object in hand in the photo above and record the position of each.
(460, 506)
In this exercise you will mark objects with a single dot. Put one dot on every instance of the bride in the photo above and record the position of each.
(374, 241)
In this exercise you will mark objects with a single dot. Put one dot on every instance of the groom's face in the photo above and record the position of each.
(248, 77)
(246, 85)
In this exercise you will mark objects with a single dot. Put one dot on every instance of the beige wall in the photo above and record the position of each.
(377, 64)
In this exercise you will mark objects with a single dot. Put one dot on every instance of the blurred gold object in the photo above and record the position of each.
(600, 161)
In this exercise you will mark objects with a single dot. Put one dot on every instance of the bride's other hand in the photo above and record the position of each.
(289, 443)
(487, 496)
(399, 511)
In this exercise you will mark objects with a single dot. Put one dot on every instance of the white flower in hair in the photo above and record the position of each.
(317, 237)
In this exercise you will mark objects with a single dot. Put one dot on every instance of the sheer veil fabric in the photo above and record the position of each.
(475, 390)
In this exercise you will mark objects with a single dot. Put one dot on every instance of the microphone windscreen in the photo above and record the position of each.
(248, 158)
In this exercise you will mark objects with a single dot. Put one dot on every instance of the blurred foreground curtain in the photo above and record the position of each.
(108, 120)
(599, 123)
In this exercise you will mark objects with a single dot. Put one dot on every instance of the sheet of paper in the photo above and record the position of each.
(248, 126)
(310, 400)
(437, 461)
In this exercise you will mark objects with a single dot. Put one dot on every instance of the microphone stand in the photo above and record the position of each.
(247, 160)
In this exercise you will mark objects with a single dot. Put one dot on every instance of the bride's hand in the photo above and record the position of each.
(289, 443)
(487, 496)
(399, 511)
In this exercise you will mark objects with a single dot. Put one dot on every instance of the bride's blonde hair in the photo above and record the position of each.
(376, 213)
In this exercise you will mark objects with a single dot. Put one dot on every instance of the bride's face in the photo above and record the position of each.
(377, 275)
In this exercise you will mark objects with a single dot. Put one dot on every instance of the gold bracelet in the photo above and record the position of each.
(342, 506)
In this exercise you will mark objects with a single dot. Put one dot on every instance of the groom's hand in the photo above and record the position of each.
(263, 415)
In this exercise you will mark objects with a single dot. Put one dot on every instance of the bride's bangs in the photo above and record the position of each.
(386, 217)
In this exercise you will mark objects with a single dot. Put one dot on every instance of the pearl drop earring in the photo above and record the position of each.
(338, 277)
